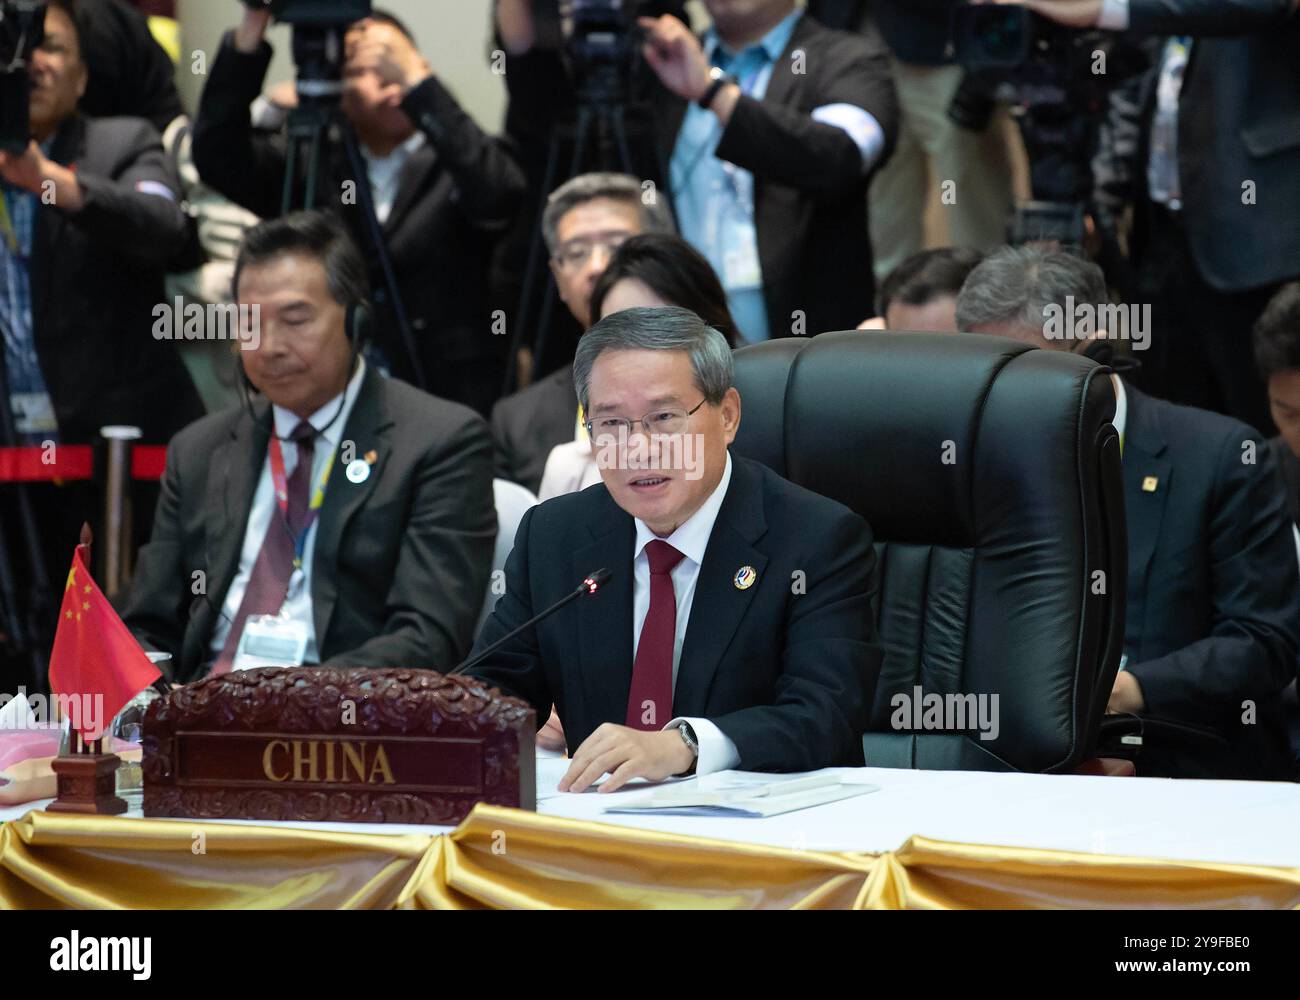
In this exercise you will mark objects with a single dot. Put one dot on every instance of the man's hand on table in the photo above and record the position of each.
(625, 753)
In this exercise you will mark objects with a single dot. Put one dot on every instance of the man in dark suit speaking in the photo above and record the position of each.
(736, 630)
(355, 509)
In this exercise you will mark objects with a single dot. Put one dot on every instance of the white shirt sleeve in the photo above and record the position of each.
(1114, 15)
(861, 127)
(717, 752)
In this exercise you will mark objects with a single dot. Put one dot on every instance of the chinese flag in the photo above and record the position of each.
(94, 653)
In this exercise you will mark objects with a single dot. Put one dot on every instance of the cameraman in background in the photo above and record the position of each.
(932, 146)
(1216, 185)
(771, 126)
(543, 74)
(443, 192)
(90, 219)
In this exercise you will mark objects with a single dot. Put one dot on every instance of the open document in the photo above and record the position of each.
(742, 794)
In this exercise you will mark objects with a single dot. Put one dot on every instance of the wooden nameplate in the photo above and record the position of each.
(350, 745)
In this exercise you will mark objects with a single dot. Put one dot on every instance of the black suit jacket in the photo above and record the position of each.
(455, 197)
(130, 72)
(1213, 591)
(786, 670)
(1288, 467)
(1239, 121)
(810, 194)
(401, 560)
(527, 424)
(96, 276)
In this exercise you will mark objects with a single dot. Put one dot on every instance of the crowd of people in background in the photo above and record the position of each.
(790, 168)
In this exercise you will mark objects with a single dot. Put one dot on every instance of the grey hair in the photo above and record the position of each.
(655, 216)
(1015, 285)
(668, 328)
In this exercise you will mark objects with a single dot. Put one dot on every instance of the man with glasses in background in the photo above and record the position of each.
(699, 654)
(586, 220)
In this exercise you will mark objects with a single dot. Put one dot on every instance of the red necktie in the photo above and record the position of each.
(650, 702)
(268, 584)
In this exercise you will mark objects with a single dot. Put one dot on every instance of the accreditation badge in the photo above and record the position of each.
(270, 641)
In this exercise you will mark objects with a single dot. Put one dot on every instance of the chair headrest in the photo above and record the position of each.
(924, 434)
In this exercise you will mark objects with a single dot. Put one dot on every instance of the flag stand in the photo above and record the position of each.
(86, 775)
(87, 780)
(96, 659)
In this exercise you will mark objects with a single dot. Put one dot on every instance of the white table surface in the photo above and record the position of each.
(1238, 822)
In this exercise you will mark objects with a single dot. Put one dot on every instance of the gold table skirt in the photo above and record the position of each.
(508, 858)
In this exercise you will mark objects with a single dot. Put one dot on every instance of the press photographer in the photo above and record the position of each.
(556, 71)
(930, 144)
(1215, 167)
(90, 221)
(771, 126)
(441, 190)
(1057, 81)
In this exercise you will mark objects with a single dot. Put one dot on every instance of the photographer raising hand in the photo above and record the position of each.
(1221, 141)
(442, 191)
(89, 219)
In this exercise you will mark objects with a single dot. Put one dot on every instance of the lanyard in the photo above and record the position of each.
(280, 483)
(7, 230)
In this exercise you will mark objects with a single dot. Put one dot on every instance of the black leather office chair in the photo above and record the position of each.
(990, 474)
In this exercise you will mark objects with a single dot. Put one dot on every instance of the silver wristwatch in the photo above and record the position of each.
(688, 737)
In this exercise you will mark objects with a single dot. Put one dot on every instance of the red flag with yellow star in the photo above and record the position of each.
(94, 653)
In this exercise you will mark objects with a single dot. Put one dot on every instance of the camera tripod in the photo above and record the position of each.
(309, 129)
(601, 141)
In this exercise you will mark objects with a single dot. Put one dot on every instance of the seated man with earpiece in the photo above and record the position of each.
(336, 516)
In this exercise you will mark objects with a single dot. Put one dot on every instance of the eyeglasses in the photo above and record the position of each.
(667, 421)
(575, 253)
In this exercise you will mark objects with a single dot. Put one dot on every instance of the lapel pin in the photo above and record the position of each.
(372, 457)
(1149, 484)
(357, 471)
(745, 577)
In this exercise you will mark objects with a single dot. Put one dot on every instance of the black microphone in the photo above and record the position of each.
(593, 582)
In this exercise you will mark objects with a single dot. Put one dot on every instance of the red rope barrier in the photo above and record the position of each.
(148, 461)
(37, 464)
(73, 462)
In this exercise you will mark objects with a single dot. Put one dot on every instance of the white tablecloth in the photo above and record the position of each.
(1238, 822)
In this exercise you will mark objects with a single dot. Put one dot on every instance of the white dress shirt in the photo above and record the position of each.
(385, 173)
(297, 605)
(717, 752)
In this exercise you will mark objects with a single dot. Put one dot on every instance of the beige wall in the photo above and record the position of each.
(454, 36)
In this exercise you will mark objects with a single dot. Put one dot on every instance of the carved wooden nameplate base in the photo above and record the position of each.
(87, 783)
(350, 745)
